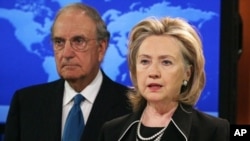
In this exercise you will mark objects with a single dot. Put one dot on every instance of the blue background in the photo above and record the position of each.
(27, 57)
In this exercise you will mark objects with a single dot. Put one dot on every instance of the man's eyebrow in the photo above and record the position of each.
(57, 38)
(78, 36)
(75, 36)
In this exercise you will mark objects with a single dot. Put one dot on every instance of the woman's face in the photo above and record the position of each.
(160, 69)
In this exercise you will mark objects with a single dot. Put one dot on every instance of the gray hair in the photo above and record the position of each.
(101, 29)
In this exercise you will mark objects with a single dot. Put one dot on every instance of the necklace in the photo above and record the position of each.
(157, 136)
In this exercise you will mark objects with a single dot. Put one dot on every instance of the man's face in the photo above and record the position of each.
(69, 28)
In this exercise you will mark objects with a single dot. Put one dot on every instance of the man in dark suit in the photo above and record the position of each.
(38, 113)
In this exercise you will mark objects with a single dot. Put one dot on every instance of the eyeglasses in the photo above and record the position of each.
(78, 43)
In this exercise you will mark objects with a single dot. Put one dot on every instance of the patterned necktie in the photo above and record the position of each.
(74, 125)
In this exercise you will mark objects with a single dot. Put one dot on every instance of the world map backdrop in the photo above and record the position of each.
(27, 55)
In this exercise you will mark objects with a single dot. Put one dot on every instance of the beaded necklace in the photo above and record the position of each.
(157, 136)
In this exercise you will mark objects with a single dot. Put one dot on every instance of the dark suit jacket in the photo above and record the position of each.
(35, 113)
(188, 124)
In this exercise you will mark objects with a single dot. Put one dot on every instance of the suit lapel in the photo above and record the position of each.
(54, 106)
(99, 110)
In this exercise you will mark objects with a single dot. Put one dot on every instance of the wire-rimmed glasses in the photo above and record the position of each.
(79, 43)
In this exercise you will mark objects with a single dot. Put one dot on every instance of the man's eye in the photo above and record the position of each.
(58, 42)
(78, 41)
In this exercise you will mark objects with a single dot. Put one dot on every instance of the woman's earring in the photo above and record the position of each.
(184, 86)
(185, 82)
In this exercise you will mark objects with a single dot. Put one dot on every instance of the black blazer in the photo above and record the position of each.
(187, 124)
(35, 112)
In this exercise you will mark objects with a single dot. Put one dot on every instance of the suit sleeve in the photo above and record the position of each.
(223, 131)
(12, 127)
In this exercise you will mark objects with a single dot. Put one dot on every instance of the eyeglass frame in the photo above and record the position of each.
(73, 43)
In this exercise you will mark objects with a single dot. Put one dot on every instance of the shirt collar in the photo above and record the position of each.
(89, 93)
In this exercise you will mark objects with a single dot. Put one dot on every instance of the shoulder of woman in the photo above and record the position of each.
(208, 119)
(117, 121)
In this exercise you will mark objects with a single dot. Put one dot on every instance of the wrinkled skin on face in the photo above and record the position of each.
(79, 68)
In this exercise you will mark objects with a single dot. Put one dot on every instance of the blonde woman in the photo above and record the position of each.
(166, 62)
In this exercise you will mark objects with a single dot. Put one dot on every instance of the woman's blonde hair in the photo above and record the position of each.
(191, 48)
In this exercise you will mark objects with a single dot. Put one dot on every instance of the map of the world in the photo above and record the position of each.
(27, 56)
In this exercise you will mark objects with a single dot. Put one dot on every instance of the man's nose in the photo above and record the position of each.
(68, 51)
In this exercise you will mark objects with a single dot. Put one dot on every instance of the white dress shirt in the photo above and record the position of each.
(89, 93)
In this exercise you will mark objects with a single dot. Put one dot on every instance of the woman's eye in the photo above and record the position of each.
(144, 62)
(166, 62)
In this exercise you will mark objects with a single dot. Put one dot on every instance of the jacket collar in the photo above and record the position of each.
(131, 121)
(182, 120)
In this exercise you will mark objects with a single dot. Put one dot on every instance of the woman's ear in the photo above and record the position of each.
(188, 72)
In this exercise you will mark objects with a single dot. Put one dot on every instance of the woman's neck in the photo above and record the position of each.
(158, 115)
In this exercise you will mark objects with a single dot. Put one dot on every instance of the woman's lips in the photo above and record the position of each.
(154, 86)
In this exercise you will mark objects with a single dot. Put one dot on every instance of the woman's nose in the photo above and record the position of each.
(154, 71)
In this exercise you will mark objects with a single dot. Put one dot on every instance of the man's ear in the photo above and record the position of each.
(103, 45)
